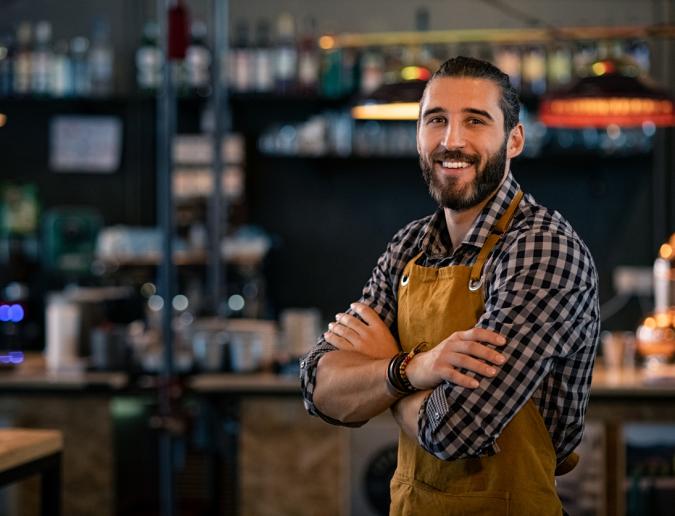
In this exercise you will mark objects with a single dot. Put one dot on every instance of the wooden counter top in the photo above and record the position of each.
(20, 446)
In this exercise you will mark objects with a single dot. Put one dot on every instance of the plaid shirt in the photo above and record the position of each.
(540, 289)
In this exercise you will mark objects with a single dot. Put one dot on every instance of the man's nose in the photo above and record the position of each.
(453, 137)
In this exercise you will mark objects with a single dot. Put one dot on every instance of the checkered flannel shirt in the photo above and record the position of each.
(540, 288)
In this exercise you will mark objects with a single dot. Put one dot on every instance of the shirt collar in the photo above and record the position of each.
(434, 239)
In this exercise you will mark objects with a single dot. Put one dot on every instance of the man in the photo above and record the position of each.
(478, 327)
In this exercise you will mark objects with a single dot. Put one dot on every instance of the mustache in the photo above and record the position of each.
(457, 155)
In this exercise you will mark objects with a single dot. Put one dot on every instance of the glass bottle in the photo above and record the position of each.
(6, 66)
(198, 61)
(101, 60)
(61, 71)
(263, 59)
(22, 60)
(149, 59)
(286, 58)
(308, 59)
(79, 47)
(41, 59)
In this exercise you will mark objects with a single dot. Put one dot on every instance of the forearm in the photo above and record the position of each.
(406, 413)
(351, 387)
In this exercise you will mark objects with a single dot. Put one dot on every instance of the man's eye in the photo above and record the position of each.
(475, 121)
(436, 120)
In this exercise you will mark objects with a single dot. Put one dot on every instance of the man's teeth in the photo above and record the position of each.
(454, 164)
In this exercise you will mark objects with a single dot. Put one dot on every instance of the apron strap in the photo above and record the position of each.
(476, 278)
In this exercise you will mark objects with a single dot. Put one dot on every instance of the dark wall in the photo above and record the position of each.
(334, 217)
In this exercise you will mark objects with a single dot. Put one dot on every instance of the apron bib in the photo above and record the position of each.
(519, 480)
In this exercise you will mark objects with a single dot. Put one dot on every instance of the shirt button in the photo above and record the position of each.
(437, 416)
(302, 364)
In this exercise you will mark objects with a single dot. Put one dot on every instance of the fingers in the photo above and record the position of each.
(352, 323)
(481, 335)
(471, 364)
(338, 341)
(369, 315)
(476, 349)
(454, 376)
(344, 331)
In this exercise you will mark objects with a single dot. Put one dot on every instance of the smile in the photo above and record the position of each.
(455, 164)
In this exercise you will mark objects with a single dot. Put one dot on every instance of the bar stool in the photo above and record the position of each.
(27, 452)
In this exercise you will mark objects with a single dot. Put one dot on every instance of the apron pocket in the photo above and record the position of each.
(424, 500)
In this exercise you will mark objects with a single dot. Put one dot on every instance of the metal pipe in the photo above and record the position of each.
(218, 204)
(513, 36)
(166, 123)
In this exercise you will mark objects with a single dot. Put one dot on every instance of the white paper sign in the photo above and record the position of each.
(85, 144)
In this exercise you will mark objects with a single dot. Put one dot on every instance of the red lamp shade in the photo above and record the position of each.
(606, 99)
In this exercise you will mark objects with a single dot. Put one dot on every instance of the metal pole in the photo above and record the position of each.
(218, 204)
(166, 123)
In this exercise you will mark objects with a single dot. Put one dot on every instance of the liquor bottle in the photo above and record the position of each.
(6, 66)
(372, 71)
(286, 58)
(198, 61)
(241, 60)
(559, 66)
(263, 59)
(308, 59)
(41, 59)
(331, 73)
(61, 71)
(534, 71)
(507, 59)
(79, 47)
(101, 59)
(22, 60)
(638, 51)
(149, 59)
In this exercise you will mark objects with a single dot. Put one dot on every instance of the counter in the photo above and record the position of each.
(260, 428)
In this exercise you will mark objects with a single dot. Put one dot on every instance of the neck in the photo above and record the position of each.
(459, 222)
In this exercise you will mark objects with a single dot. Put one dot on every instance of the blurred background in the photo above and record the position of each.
(255, 143)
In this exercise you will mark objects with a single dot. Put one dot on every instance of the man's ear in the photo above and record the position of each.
(516, 141)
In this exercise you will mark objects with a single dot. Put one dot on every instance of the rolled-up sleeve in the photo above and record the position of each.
(542, 296)
(380, 294)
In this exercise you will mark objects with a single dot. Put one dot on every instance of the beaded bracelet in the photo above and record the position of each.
(404, 364)
(397, 381)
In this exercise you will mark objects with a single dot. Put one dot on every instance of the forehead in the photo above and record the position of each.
(454, 94)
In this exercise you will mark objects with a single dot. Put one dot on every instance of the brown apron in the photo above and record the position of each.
(519, 479)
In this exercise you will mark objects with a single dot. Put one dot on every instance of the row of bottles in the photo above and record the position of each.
(334, 133)
(281, 60)
(32, 64)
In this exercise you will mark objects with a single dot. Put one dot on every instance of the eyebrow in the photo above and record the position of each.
(480, 112)
(474, 111)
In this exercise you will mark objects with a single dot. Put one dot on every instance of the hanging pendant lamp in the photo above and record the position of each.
(395, 101)
(612, 95)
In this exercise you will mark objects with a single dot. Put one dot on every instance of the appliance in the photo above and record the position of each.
(372, 461)
(70, 239)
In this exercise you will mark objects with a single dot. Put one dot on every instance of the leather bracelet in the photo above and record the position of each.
(394, 384)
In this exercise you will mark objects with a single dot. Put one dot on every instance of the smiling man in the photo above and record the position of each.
(478, 327)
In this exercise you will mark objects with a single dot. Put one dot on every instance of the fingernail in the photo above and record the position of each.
(330, 326)
(474, 383)
(502, 340)
(501, 359)
(337, 317)
(492, 371)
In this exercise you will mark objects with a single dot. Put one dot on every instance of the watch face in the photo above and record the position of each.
(376, 480)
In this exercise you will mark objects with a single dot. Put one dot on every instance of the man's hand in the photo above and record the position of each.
(462, 349)
(371, 338)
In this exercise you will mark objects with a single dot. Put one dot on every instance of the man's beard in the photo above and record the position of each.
(447, 192)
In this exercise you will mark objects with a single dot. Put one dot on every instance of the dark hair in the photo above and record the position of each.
(461, 66)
